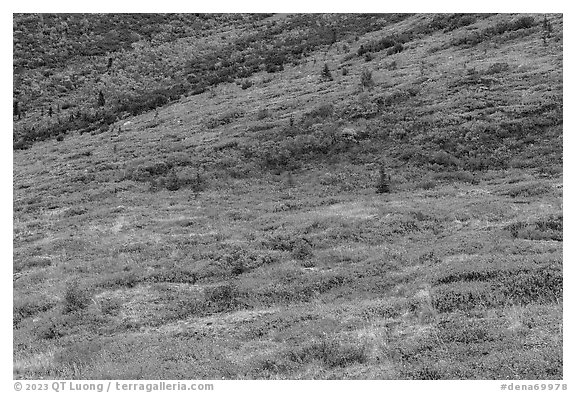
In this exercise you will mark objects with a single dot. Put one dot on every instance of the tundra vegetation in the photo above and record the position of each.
(186, 202)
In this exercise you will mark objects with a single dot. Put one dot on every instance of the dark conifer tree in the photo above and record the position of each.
(383, 185)
(16, 109)
(333, 37)
(326, 74)
(101, 99)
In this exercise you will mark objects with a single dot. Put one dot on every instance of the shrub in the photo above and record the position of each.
(171, 182)
(269, 368)
(539, 285)
(524, 22)
(184, 306)
(77, 355)
(272, 68)
(450, 22)
(348, 57)
(490, 283)
(377, 46)
(427, 372)
(322, 112)
(110, 306)
(500, 28)
(222, 297)
(462, 176)
(75, 298)
(146, 171)
(126, 279)
(172, 275)
(528, 190)
(549, 228)
(262, 113)
(332, 353)
(240, 260)
(50, 328)
(383, 185)
(27, 307)
(459, 20)
(277, 242)
(463, 296)
(425, 184)
(497, 68)
(302, 250)
(366, 80)
(397, 48)
(32, 262)
(444, 159)
(222, 120)
(21, 144)
(246, 84)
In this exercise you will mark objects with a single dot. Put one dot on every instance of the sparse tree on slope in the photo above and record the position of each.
(16, 110)
(383, 185)
(101, 99)
(366, 80)
(326, 74)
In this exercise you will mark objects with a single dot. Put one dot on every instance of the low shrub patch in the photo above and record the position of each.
(485, 286)
(28, 307)
(549, 228)
(528, 190)
(331, 352)
(76, 298)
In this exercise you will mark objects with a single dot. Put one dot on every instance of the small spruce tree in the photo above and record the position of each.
(101, 99)
(326, 74)
(16, 110)
(383, 185)
(546, 30)
(197, 185)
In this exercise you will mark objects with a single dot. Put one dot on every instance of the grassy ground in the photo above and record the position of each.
(300, 273)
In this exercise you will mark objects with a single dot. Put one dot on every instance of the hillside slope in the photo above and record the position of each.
(235, 232)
